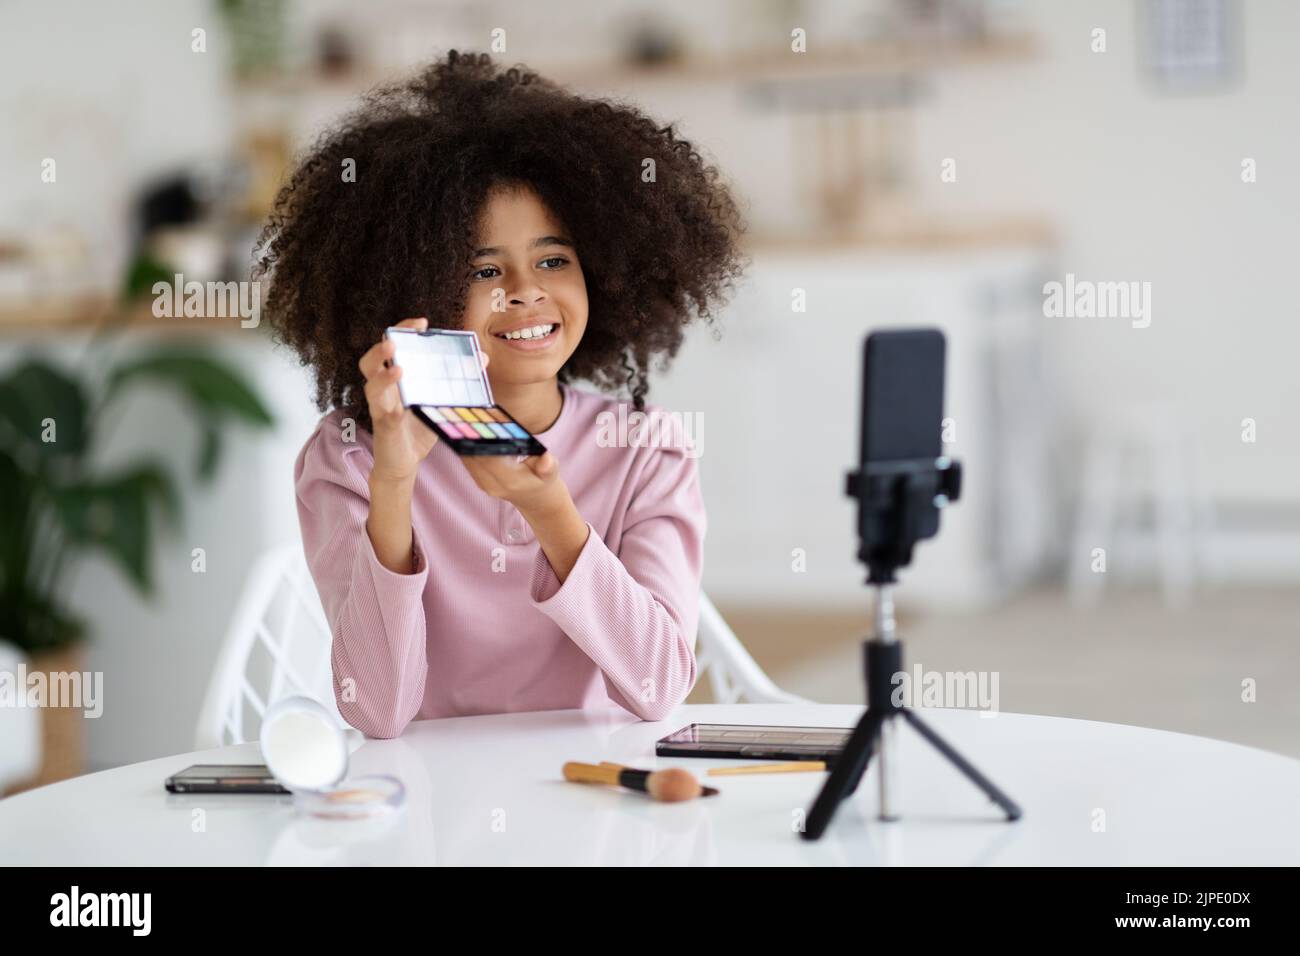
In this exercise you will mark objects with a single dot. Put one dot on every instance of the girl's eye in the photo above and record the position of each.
(559, 259)
(478, 274)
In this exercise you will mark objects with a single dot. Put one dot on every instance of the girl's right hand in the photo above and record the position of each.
(402, 441)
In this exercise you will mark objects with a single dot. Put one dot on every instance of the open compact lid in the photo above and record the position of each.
(307, 751)
(441, 367)
(303, 745)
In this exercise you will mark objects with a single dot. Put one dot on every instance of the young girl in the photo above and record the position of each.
(497, 202)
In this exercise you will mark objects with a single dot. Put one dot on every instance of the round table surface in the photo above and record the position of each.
(488, 790)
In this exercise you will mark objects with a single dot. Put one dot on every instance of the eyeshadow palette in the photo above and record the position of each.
(755, 742)
(444, 383)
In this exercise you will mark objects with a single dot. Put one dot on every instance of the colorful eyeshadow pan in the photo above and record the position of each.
(478, 423)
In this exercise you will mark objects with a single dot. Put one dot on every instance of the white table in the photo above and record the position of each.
(487, 790)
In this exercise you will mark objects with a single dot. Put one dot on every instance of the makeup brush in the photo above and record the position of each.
(668, 786)
(704, 791)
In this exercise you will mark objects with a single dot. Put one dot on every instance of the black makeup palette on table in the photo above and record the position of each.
(444, 383)
(755, 742)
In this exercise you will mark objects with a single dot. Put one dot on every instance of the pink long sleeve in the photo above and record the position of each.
(635, 613)
(484, 626)
(376, 616)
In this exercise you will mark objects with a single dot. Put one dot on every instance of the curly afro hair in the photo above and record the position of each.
(347, 259)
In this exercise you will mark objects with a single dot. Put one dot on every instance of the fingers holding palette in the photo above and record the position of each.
(443, 381)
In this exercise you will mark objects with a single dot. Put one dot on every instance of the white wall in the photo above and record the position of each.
(1140, 185)
(113, 93)
(1147, 186)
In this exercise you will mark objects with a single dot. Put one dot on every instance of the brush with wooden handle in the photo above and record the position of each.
(668, 786)
(704, 791)
(793, 766)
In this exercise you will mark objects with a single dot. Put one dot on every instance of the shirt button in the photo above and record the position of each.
(512, 535)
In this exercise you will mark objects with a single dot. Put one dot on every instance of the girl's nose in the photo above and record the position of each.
(530, 294)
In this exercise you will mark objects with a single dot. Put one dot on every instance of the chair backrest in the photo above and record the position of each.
(733, 674)
(278, 645)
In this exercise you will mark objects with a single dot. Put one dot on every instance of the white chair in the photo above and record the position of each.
(278, 645)
(732, 672)
(1146, 456)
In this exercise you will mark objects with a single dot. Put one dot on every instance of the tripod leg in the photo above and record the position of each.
(844, 777)
(1008, 805)
(871, 752)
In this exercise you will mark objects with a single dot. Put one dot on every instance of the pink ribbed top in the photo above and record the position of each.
(483, 625)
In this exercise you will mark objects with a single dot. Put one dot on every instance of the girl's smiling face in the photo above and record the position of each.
(525, 279)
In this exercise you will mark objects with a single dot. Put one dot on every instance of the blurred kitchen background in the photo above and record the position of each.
(923, 162)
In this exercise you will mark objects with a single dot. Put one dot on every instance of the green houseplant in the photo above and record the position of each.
(60, 503)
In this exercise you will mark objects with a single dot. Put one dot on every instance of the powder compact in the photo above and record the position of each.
(307, 751)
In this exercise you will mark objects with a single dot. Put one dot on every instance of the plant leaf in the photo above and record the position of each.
(209, 453)
(35, 623)
(37, 391)
(211, 384)
(141, 275)
(15, 554)
(115, 515)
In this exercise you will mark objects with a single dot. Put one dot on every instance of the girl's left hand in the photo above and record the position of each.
(530, 484)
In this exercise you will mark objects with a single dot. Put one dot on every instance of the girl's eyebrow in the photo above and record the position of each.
(539, 241)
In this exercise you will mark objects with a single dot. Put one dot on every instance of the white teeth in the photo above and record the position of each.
(536, 332)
